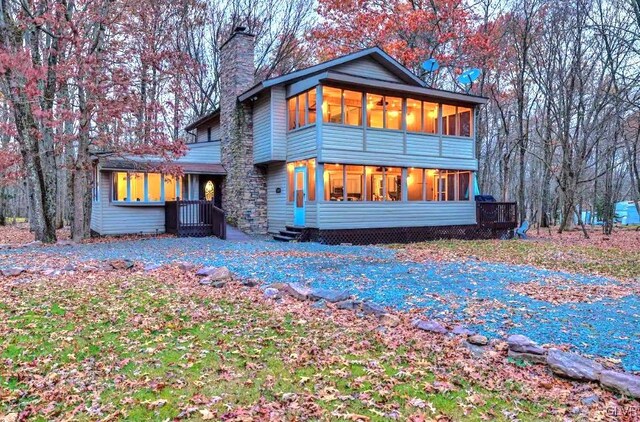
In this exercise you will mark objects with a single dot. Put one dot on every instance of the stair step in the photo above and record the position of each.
(282, 238)
(294, 229)
(288, 233)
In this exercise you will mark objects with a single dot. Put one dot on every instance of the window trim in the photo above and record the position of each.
(295, 100)
(146, 201)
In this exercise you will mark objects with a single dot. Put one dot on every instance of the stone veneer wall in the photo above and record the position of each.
(244, 191)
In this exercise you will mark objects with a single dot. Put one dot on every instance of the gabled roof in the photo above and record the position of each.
(375, 53)
(202, 119)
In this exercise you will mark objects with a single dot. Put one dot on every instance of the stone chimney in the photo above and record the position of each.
(244, 191)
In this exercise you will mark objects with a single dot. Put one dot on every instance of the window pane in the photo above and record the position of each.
(311, 178)
(353, 108)
(449, 120)
(136, 183)
(464, 181)
(432, 183)
(464, 114)
(451, 186)
(169, 188)
(374, 111)
(394, 113)
(393, 186)
(375, 183)
(415, 184)
(333, 182)
(312, 106)
(154, 187)
(302, 108)
(414, 115)
(292, 113)
(355, 183)
(331, 105)
(430, 117)
(440, 179)
(290, 168)
(120, 186)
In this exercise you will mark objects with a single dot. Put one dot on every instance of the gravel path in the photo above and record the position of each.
(472, 291)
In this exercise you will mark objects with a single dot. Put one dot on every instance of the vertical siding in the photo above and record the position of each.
(354, 215)
(262, 129)
(301, 143)
(278, 124)
(276, 202)
(368, 68)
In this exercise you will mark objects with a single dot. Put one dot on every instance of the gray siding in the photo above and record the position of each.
(354, 215)
(367, 68)
(344, 144)
(301, 143)
(202, 134)
(310, 214)
(208, 152)
(277, 202)
(125, 219)
(278, 123)
(262, 130)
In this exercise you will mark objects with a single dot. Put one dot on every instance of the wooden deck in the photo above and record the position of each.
(497, 215)
(195, 219)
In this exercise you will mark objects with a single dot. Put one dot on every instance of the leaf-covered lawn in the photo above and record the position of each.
(159, 347)
(617, 255)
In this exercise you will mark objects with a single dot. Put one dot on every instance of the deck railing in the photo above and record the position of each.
(497, 215)
(195, 219)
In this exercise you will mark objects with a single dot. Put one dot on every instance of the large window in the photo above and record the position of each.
(333, 182)
(302, 109)
(145, 187)
(384, 183)
(341, 106)
(438, 185)
(310, 165)
(384, 112)
(457, 121)
(331, 105)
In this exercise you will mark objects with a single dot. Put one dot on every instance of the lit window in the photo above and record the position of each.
(333, 182)
(154, 187)
(290, 168)
(384, 183)
(449, 124)
(393, 113)
(120, 186)
(465, 118)
(375, 111)
(464, 185)
(414, 115)
(415, 184)
(355, 183)
(311, 179)
(171, 188)
(209, 190)
(310, 165)
(430, 117)
(451, 186)
(302, 109)
(136, 187)
(393, 185)
(311, 101)
(331, 105)
(353, 108)
(432, 183)
(291, 104)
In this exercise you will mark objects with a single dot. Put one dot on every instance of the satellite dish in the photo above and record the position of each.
(468, 77)
(430, 65)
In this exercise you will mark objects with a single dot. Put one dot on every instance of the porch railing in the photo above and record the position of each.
(497, 215)
(195, 219)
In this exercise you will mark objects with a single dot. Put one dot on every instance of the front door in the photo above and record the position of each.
(299, 195)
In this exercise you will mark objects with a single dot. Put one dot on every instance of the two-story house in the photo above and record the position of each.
(356, 149)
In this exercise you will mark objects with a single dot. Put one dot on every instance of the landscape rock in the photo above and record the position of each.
(590, 400)
(431, 326)
(12, 272)
(372, 308)
(69, 267)
(271, 293)
(321, 304)
(151, 267)
(186, 266)
(478, 340)
(65, 242)
(528, 357)
(332, 296)
(573, 366)
(476, 351)
(51, 272)
(460, 330)
(297, 291)
(215, 273)
(390, 320)
(522, 344)
(218, 284)
(250, 282)
(120, 264)
(627, 384)
(349, 305)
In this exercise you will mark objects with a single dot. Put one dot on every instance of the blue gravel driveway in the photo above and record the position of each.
(471, 291)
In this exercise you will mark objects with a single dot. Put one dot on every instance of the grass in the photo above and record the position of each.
(144, 349)
(580, 258)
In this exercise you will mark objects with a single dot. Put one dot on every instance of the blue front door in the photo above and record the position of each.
(299, 195)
